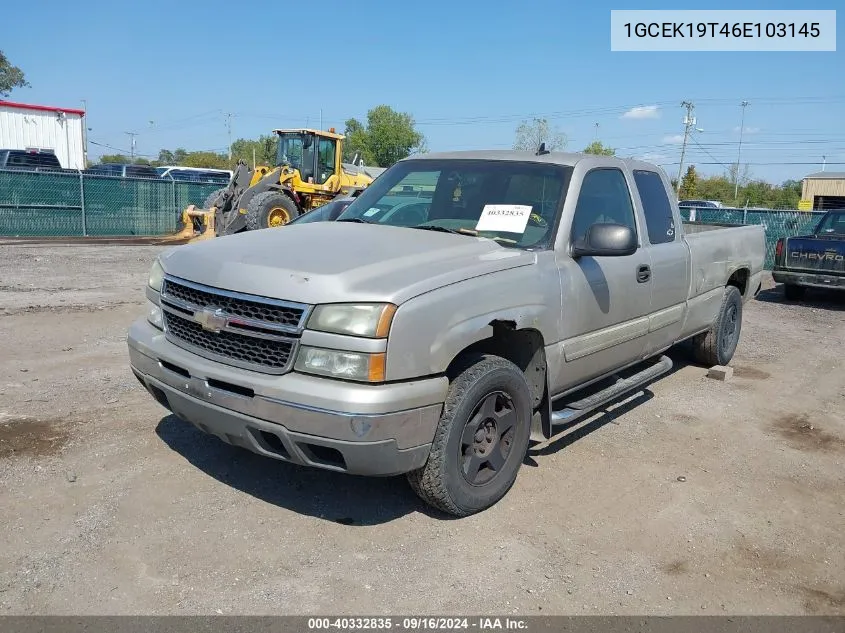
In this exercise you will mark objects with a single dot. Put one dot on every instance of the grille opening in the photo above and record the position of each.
(274, 443)
(324, 455)
(227, 386)
(179, 309)
(175, 368)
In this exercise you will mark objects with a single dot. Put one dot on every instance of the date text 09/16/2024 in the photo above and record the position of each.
(417, 624)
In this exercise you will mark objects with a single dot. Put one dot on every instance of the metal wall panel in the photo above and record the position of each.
(62, 133)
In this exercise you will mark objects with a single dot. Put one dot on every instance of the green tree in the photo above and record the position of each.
(264, 148)
(115, 158)
(689, 183)
(389, 136)
(530, 134)
(355, 143)
(596, 147)
(11, 77)
(209, 160)
(165, 157)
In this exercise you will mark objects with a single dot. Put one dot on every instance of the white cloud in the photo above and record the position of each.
(675, 138)
(748, 130)
(642, 112)
(651, 157)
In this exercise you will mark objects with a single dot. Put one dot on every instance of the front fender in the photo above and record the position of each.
(431, 330)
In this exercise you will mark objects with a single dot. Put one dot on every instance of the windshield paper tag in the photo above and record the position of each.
(371, 211)
(507, 218)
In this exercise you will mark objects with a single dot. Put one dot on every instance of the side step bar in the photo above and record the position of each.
(578, 409)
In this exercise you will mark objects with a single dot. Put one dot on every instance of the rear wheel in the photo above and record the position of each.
(270, 209)
(793, 292)
(481, 439)
(718, 344)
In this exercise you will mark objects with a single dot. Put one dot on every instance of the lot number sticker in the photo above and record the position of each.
(506, 218)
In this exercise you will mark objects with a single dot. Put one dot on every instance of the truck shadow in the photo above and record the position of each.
(331, 496)
(813, 298)
(568, 434)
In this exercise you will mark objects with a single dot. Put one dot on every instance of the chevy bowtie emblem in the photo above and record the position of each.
(211, 319)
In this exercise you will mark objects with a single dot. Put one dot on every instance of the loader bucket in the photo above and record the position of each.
(192, 233)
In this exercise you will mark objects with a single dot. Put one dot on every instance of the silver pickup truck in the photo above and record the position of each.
(462, 306)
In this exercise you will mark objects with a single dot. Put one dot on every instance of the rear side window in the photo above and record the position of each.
(656, 206)
(604, 198)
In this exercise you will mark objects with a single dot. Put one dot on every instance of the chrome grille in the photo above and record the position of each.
(246, 331)
(246, 349)
(276, 312)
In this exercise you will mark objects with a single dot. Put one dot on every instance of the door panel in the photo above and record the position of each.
(670, 265)
(605, 319)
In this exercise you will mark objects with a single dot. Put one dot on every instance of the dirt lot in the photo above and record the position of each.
(694, 497)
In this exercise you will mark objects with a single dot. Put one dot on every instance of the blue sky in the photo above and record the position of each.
(468, 72)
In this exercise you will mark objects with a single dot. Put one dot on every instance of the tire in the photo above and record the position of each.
(488, 382)
(209, 201)
(793, 292)
(718, 344)
(270, 209)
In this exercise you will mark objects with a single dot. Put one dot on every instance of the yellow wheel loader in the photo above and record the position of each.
(309, 172)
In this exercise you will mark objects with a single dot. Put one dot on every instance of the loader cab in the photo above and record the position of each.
(314, 153)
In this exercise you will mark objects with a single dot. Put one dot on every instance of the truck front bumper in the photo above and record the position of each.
(809, 279)
(375, 430)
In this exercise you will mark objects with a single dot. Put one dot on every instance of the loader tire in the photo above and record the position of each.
(270, 209)
(209, 201)
(718, 344)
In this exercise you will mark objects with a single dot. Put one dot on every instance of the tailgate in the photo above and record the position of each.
(814, 254)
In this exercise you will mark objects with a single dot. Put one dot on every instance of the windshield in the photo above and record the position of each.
(292, 145)
(514, 203)
(832, 224)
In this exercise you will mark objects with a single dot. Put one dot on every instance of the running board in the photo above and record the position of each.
(580, 408)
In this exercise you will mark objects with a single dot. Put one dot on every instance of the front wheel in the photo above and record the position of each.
(481, 439)
(270, 209)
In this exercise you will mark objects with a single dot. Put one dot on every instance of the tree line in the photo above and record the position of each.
(386, 137)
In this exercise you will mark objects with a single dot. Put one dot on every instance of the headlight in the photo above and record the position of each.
(365, 319)
(156, 276)
(339, 364)
(154, 315)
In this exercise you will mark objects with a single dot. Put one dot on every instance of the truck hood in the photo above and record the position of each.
(324, 262)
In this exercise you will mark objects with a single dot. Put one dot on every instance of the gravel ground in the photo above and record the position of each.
(693, 497)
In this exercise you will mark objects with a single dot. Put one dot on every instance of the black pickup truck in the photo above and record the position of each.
(813, 261)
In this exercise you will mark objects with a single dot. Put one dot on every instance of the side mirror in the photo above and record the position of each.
(606, 240)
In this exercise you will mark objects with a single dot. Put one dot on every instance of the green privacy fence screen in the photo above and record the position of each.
(72, 204)
(776, 223)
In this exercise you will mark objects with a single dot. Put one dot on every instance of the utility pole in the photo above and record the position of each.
(321, 118)
(132, 136)
(689, 122)
(229, 129)
(597, 131)
(739, 151)
(824, 161)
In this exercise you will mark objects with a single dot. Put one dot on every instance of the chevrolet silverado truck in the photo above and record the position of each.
(812, 261)
(528, 291)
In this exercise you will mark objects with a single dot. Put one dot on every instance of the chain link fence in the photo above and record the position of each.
(74, 204)
(777, 223)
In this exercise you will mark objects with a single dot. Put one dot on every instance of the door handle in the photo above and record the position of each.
(643, 273)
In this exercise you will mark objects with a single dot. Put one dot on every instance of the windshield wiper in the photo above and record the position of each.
(361, 220)
(443, 229)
